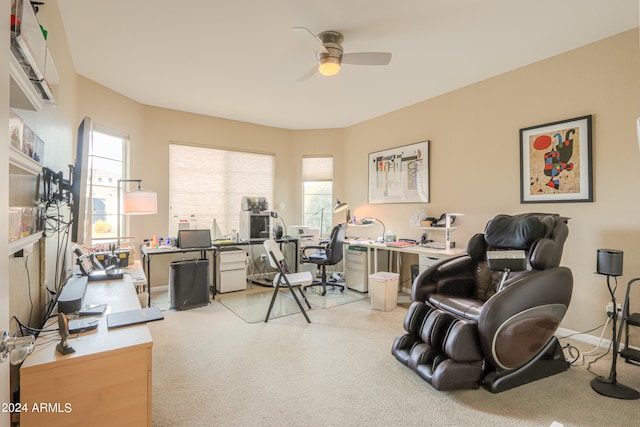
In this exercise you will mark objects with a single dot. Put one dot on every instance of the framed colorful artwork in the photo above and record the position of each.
(400, 175)
(555, 162)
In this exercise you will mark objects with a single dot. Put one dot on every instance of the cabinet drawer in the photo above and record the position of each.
(233, 280)
(238, 265)
(232, 257)
(425, 261)
(356, 257)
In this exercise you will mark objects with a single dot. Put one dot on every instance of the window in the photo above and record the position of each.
(208, 183)
(317, 192)
(107, 166)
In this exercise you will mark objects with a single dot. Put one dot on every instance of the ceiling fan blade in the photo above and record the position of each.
(310, 39)
(306, 76)
(366, 58)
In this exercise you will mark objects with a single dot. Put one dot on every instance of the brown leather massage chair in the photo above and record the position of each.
(488, 317)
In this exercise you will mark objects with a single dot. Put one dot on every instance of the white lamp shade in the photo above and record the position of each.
(139, 202)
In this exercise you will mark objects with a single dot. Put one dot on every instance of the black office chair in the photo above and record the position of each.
(328, 254)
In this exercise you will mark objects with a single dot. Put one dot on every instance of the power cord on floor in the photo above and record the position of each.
(576, 356)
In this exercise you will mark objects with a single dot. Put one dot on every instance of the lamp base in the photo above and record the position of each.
(612, 388)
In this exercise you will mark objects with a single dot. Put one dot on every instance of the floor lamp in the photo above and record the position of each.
(610, 264)
(136, 202)
(338, 207)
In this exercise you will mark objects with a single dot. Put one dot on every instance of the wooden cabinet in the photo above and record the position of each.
(106, 382)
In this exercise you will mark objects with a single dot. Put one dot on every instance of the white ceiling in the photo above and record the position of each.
(239, 59)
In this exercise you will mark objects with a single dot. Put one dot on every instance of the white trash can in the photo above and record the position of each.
(383, 290)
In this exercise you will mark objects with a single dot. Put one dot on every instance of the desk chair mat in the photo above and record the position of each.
(252, 307)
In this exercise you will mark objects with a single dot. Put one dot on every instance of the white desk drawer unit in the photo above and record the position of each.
(356, 268)
(232, 274)
(425, 261)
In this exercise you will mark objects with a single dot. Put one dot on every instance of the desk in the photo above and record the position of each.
(215, 248)
(422, 252)
(106, 382)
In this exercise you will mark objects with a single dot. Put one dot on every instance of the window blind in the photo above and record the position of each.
(317, 168)
(208, 183)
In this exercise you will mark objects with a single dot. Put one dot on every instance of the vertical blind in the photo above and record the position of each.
(208, 183)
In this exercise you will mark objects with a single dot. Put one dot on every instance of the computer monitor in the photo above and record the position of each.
(193, 239)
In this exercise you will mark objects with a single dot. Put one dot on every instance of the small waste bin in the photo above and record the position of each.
(383, 289)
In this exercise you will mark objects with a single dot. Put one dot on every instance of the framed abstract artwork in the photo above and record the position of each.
(400, 175)
(556, 163)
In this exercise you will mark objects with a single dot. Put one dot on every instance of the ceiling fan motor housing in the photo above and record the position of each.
(332, 41)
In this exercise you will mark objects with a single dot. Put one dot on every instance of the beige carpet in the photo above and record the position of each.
(212, 368)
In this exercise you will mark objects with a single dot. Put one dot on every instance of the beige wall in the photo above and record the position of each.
(474, 134)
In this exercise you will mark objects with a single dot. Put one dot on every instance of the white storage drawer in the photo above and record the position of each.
(232, 257)
(356, 258)
(232, 275)
(237, 265)
(232, 280)
(425, 261)
(356, 269)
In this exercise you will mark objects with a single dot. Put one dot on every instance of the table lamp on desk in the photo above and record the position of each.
(368, 221)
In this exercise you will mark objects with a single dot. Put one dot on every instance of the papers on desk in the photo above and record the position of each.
(400, 244)
(360, 241)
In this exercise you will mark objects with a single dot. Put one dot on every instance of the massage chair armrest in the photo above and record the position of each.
(533, 294)
(426, 282)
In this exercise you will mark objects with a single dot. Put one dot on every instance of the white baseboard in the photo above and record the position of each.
(589, 339)
(160, 288)
(582, 337)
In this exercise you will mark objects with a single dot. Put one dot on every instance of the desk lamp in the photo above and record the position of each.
(338, 207)
(136, 202)
(369, 220)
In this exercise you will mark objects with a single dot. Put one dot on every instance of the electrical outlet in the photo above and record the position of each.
(609, 309)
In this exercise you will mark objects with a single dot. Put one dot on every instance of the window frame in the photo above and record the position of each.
(325, 211)
(108, 182)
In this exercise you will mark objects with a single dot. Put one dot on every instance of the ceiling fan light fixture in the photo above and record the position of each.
(329, 66)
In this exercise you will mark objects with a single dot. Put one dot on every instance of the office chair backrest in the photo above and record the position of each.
(272, 248)
(334, 247)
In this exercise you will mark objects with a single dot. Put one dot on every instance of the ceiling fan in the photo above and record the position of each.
(330, 53)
